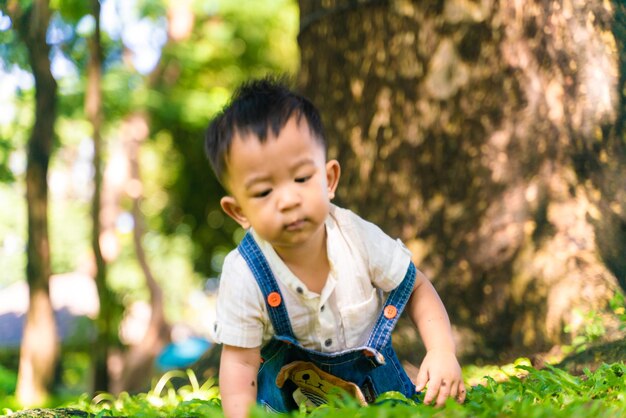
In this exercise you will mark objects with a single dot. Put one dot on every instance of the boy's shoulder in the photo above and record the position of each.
(237, 277)
(348, 220)
(234, 263)
(344, 217)
(385, 258)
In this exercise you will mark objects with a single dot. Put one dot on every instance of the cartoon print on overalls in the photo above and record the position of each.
(374, 367)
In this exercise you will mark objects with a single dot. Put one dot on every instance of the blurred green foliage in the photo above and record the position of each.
(6, 175)
(8, 381)
(618, 306)
(13, 233)
(187, 235)
(231, 43)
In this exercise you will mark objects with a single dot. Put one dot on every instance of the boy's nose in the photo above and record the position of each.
(289, 198)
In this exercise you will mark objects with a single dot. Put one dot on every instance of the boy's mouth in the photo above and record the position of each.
(296, 225)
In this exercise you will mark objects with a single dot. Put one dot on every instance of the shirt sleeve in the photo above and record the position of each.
(240, 309)
(387, 258)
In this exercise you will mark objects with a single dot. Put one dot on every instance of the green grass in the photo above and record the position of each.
(524, 392)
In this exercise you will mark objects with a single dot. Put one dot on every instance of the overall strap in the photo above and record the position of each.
(393, 307)
(250, 251)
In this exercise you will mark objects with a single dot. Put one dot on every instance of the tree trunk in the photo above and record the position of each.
(140, 358)
(492, 132)
(40, 345)
(93, 110)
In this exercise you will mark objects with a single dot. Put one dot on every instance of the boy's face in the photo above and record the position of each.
(282, 187)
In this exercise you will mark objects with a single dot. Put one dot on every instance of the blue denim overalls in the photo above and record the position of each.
(374, 367)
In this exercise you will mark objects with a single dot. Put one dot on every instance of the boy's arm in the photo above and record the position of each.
(440, 369)
(238, 379)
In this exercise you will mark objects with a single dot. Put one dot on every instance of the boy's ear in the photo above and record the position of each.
(333, 172)
(232, 209)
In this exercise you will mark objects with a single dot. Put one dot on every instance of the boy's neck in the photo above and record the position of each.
(308, 262)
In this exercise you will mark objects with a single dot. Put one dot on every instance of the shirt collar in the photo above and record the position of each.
(290, 280)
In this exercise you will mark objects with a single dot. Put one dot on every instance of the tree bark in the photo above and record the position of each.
(139, 360)
(94, 112)
(40, 345)
(488, 136)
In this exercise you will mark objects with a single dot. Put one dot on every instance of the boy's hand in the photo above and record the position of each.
(441, 371)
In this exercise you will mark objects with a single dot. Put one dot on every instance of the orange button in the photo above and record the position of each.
(390, 311)
(274, 299)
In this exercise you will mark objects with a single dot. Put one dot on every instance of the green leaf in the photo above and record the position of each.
(71, 10)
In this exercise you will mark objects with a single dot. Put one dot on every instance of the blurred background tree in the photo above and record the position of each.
(165, 67)
(37, 361)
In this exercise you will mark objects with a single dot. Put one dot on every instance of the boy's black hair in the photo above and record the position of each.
(256, 106)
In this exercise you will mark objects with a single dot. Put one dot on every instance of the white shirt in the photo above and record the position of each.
(364, 262)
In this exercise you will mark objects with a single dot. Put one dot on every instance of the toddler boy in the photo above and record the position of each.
(309, 298)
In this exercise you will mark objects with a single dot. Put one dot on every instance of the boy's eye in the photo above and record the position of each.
(302, 179)
(262, 193)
